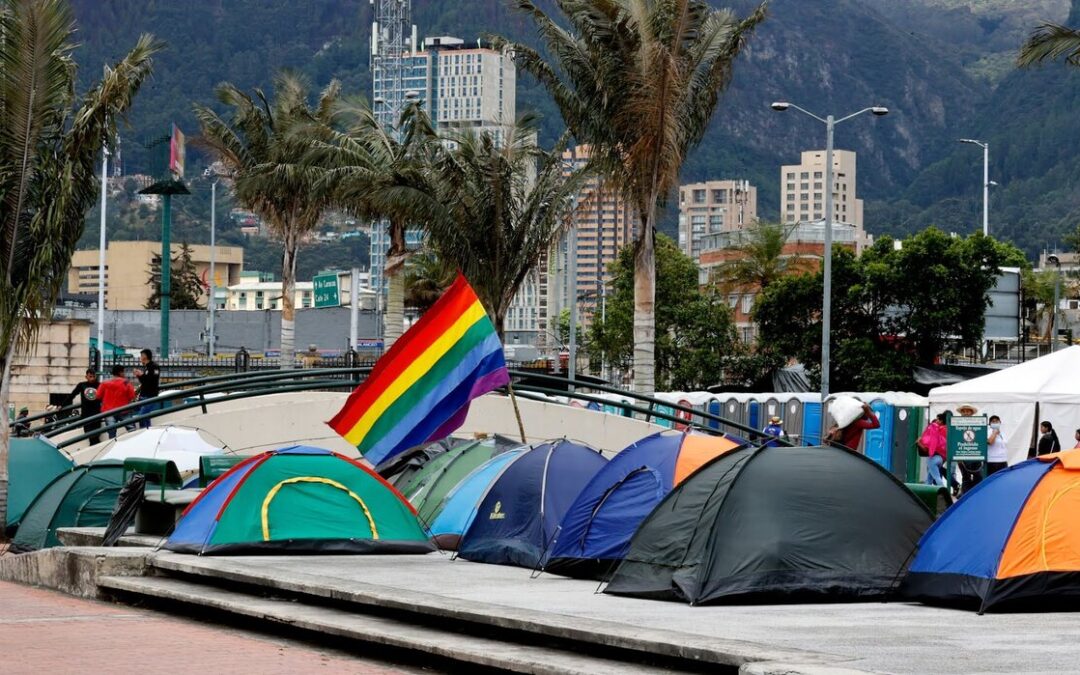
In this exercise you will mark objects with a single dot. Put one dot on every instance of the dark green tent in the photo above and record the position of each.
(82, 497)
(429, 486)
(776, 524)
(32, 464)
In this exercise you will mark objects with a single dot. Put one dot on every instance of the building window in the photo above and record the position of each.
(733, 300)
(791, 186)
(817, 186)
(805, 175)
(804, 196)
(817, 196)
(804, 186)
(817, 174)
(791, 196)
(747, 303)
(719, 196)
(699, 196)
(791, 176)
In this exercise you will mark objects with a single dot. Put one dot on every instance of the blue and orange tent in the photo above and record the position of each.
(1012, 542)
(517, 517)
(299, 499)
(595, 532)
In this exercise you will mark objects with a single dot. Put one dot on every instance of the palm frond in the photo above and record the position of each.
(1050, 42)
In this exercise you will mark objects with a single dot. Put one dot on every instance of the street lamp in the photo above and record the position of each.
(1056, 262)
(830, 123)
(986, 180)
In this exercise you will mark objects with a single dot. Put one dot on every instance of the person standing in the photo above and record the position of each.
(1048, 441)
(89, 401)
(1077, 437)
(997, 453)
(851, 436)
(115, 393)
(149, 384)
(774, 431)
(933, 442)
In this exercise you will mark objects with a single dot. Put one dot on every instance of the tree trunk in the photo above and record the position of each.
(5, 435)
(645, 305)
(288, 306)
(394, 271)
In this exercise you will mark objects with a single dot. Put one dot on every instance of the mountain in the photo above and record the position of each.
(937, 64)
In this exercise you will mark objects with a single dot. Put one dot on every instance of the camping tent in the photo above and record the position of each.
(433, 482)
(457, 510)
(182, 445)
(596, 530)
(299, 500)
(1013, 540)
(1046, 388)
(82, 497)
(776, 523)
(32, 464)
(400, 469)
(516, 519)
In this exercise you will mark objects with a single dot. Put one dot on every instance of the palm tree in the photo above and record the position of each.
(493, 210)
(758, 261)
(49, 150)
(638, 80)
(366, 160)
(1052, 41)
(426, 278)
(263, 144)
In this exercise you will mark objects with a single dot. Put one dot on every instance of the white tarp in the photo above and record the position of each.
(1052, 382)
(182, 445)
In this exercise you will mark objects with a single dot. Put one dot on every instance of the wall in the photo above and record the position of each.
(56, 365)
(257, 331)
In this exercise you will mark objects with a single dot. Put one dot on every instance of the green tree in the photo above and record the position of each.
(893, 308)
(263, 143)
(185, 289)
(50, 145)
(638, 80)
(426, 278)
(696, 340)
(759, 259)
(373, 172)
(493, 209)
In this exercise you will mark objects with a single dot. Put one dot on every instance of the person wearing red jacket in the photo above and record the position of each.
(851, 436)
(934, 441)
(115, 393)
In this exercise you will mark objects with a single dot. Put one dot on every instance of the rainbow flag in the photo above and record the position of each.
(420, 390)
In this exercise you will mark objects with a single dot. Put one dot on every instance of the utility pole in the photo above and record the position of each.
(354, 309)
(213, 260)
(101, 258)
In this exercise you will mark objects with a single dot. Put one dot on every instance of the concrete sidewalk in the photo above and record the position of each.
(897, 637)
(47, 632)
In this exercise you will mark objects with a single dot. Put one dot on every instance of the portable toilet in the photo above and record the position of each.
(754, 417)
(664, 398)
(793, 417)
(734, 411)
(715, 407)
(699, 401)
(773, 407)
(911, 417)
(812, 411)
(877, 443)
(684, 400)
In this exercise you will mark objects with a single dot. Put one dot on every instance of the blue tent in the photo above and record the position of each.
(518, 517)
(458, 508)
(596, 530)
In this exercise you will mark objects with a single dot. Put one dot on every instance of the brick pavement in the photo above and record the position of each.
(46, 632)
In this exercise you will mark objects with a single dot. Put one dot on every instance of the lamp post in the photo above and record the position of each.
(213, 261)
(986, 180)
(830, 123)
(1056, 262)
(101, 259)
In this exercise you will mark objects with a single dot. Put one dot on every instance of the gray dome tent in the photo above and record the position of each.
(776, 524)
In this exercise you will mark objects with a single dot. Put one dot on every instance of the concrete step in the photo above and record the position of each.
(448, 646)
(641, 643)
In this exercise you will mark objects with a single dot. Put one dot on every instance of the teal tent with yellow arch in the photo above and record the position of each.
(299, 500)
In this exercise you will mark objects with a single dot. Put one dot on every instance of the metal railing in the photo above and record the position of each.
(207, 392)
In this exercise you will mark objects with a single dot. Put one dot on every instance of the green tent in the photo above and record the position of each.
(429, 486)
(82, 497)
(32, 464)
(299, 500)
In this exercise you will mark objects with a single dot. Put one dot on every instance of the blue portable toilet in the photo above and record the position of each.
(517, 518)
(715, 408)
(753, 414)
(877, 443)
(665, 398)
(811, 422)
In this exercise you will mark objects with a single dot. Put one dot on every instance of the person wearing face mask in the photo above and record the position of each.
(1077, 437)
(997, 453)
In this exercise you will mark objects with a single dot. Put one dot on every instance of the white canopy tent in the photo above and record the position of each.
(182, 445)
(1047, 388)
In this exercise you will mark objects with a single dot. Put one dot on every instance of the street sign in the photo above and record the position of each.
(326, 290)
(967, 438)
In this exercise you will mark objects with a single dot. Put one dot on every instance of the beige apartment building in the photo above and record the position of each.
(712, 207)
(802, 191)
(127, 270)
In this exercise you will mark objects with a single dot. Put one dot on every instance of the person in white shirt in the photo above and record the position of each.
(997, 453)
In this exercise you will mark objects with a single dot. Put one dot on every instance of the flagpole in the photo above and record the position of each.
(517, 411)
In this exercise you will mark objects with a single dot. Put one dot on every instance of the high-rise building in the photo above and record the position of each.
(712, 207)
(802, 191)
(461, 86)
(604, 224)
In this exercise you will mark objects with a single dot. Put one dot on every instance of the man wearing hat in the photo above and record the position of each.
(775, 430)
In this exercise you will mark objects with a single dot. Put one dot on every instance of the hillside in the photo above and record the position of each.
(921, 58)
